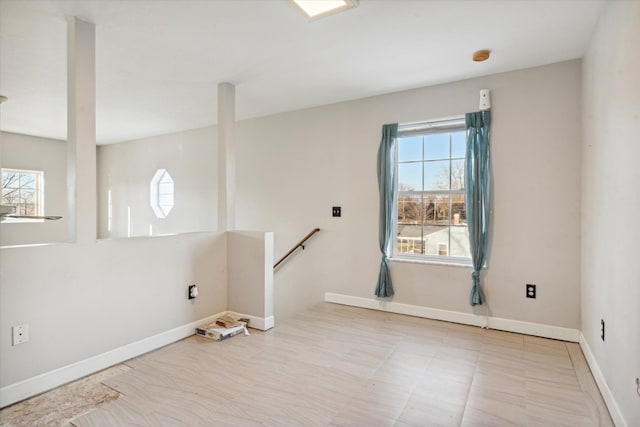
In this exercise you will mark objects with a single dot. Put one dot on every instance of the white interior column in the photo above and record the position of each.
(81, 131)
(226, 156)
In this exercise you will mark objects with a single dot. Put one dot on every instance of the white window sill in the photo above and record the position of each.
(448, 263)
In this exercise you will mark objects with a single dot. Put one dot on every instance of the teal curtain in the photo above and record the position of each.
(477, 192)
(387, 185)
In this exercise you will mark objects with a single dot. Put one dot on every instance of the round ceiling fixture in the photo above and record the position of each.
(481, 55)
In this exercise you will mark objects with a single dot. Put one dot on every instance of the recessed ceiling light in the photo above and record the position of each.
(315, 9)
(481, 55)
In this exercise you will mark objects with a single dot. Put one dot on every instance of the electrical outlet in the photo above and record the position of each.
(602, 329)
(20, 334)
(531, 290)
(192, 291)
(336, 211)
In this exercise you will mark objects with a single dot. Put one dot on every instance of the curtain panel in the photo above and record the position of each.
(387, 187)
(477, 194)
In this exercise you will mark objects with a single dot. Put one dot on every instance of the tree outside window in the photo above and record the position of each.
(431, 214)
(23, 189)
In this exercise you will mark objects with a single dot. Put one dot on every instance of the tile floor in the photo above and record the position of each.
(335, 365)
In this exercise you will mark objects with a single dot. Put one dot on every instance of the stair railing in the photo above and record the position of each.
(300, 244)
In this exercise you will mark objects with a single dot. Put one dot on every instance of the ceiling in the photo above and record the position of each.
(159, 62)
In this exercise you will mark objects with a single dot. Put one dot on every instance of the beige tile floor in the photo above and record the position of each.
(335, 365)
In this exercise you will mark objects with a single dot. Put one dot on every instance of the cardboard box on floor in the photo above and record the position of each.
(222, 328)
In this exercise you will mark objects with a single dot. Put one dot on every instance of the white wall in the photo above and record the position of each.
(50, 156)
(250, 276)
(611, 203)
(126, 170)
(93, 303)
(293, 167)
(81, 300)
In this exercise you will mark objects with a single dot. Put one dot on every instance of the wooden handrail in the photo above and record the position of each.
(300, 244)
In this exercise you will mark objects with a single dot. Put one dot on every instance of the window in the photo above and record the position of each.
(431, 215)
(23, 189)
(161, 190)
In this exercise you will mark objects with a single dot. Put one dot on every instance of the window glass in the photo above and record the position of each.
(436, 175)
(161, 193)
(458, 144)
(431, 221)
(436, 146)
(410, 176)
(23, 189)
(410, 149)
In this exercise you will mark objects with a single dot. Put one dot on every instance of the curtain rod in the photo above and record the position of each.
(426, 124)
(431, 124)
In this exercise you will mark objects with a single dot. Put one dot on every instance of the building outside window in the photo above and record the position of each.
(431, 220)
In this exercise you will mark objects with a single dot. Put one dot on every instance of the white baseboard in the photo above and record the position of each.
(261, 323)
(33, 386)
(527, 328)
(607, 395)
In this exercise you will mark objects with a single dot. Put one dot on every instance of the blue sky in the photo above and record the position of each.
(436, 148)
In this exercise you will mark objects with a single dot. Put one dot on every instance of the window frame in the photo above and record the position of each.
(38, 197)
(456, 123)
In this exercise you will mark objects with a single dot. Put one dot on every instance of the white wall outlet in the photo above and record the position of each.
(20, 334)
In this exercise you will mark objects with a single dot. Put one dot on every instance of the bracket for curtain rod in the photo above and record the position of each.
(485, 100)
